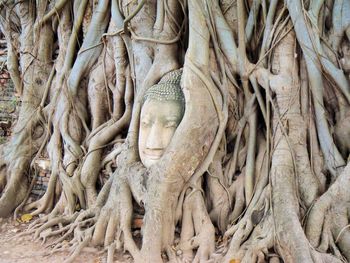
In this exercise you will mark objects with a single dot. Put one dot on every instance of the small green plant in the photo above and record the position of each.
(2, 140)
(14, 103)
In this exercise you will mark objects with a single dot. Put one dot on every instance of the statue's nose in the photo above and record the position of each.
(154, 140)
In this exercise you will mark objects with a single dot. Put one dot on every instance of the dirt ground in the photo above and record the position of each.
(14, 249)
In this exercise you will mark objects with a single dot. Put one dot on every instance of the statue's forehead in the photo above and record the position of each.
(161, 108)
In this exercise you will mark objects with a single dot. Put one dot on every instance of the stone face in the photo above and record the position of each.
(157, 127)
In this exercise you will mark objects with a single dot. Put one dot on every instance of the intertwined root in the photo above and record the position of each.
(46, 202)
(331, 212)
(197, 230)
(280, 132)
(113, 227)
(79, 225)
(107, 224)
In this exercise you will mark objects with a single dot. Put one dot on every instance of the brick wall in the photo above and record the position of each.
(41, 183)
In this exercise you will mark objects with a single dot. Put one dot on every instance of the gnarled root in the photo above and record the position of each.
(3, 172)
(242, 234)
(197, 229)
(16, 187)
(331, 212)
(46, 202)
(107, 223)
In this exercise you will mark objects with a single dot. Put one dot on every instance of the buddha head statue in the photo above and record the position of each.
(162, 111)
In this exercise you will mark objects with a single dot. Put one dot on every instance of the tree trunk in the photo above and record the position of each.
(255, 170)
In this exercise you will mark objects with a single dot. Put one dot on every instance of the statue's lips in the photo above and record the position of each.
(153, 155)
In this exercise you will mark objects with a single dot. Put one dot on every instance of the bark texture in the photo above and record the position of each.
(257, 170)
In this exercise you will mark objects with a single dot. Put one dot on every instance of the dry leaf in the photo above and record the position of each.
(26, 218)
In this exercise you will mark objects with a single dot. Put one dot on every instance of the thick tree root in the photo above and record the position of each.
(261, 165)
(331, 212)
(197, 229)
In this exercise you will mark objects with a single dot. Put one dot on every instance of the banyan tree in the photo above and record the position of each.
(222, 125)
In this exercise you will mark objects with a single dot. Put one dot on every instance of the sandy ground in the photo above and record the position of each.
(25, 250)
